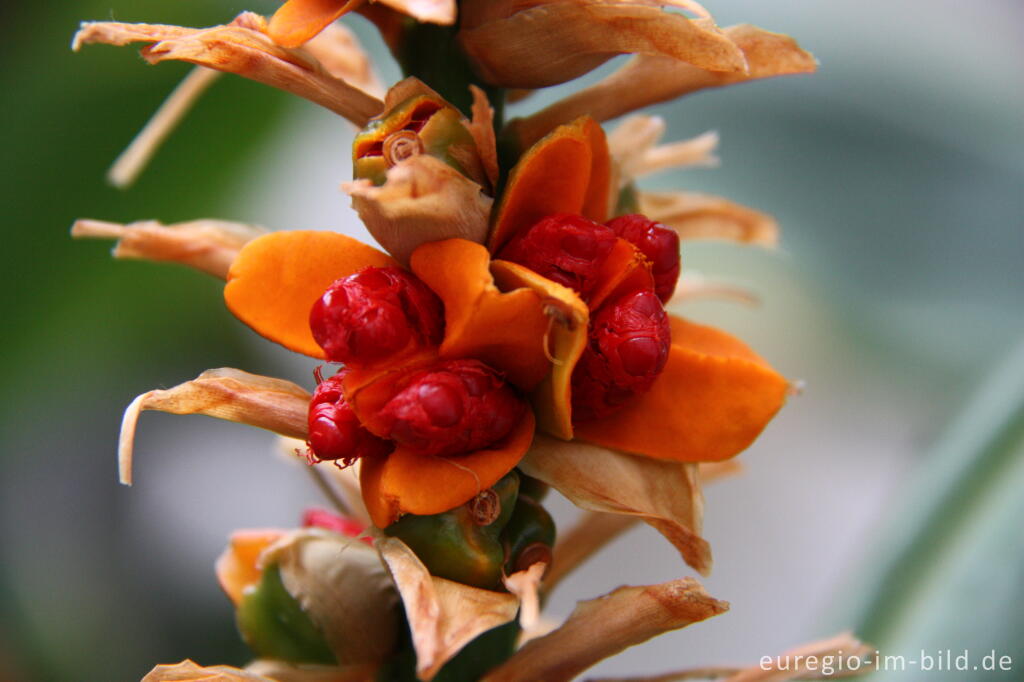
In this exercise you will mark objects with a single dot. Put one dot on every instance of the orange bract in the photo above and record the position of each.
(237, 566)
(297, 21)
(405, 482)
(712, 400)
(625, 270)
(568, 171)
(275, 280)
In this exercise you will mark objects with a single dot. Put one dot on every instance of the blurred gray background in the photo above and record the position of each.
(886, 497)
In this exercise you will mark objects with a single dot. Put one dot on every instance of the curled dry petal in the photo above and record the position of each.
(344, 588)
(429, 11)
(666, 495)
(423, 200)
(648, 79)
(190, 671)
(704, 216)
(207, 245)
(526, 586)
(634, 147)
(340, 53)
(603, 627)
(273, 404)
(443, 615)
(547, 43)
(241, 48)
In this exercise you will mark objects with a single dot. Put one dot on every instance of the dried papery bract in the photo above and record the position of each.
(605, 626)
(259, 671)
(423, 200)
(190, 671)
(243, 49)
(526, 586)
(704, 216)
(231, 394)
(666, 495)
(634, 147)
(648, 79)
(547, 43)
(481, 127)
(443, 615)
(207, 245)
(695, 286)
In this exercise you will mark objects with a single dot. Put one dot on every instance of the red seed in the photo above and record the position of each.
(568, 249)
(334, 429)
(628, 346)
(315, 517)
(374, 313)
(450, 408)
(656, 241)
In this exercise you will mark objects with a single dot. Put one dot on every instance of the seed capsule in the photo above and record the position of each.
(453, 407)
(628, 346)
(656, 241)
(374, 313)
(334, 430)
(568, 249)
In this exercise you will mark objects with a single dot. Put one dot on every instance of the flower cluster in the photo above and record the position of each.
(512, 334)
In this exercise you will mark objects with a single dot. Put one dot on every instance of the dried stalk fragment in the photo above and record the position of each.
(273, 404)
(207, 245)
(648, 79)
(526, 586)
(443, 615)
(704, 216)
(664, 494)
(603, 627)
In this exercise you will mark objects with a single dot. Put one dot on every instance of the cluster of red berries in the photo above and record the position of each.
(629, 336)
(449, 407)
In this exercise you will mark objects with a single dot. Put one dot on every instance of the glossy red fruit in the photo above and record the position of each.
(374, 313)
(568, 249)
(656, 241)
(627, 349)
(315, 517)
(450, 408)
(334, 430)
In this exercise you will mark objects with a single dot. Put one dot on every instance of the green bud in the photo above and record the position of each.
(529, 535)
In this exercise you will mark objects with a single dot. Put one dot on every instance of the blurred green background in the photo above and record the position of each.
(887, 497)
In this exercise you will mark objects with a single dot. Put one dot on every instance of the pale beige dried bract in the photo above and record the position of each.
(206, 245)
(553, 42)
(344, 588)
(190, 671)
(525, 585)
(693, 286)
(664, 494)
(423, 200)
(703, 216)
(273, 404)
(340, 53)
(649, 78)
(634, 148)
(242, 49)
(443, 615)
(603, 627)
(429, 11)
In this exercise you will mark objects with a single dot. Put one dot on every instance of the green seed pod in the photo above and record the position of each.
(274, 625)
(533, 487)
(529, 535)
(421, 124)
(464, 544)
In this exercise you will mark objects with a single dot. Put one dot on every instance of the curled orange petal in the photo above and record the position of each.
(237, 568)
(405, 482)
(275, 280)
(297, 21)
(569, 171)
(712, 400)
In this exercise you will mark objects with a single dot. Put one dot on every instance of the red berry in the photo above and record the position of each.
(627, 349)
(374, 313)
(450, 408)
(568, 249)
(656, 241)
(334, 430)
(321, 518)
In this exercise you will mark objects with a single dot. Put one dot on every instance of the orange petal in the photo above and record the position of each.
(237, 567)
(275, 280)
(503, 327)
(566, 338)
(404, 482)
(566, 172)
(712, 400)
(297, 21)
(625, 270)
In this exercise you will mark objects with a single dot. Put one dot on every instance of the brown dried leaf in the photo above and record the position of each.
(443, 615)
(273, 404)
(423, 200)
(704, 216)
(664, 494)
(648, 79)
(481, 127)
(190, 671)
(206, 245)
(548, 43)
(345, 589)
(242, 48)
(603, 627)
